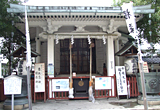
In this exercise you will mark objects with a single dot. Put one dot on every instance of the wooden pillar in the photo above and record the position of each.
(71, 82)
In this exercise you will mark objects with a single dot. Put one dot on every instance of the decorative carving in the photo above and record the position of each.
(80, 28)
(111, 24)
(111, 27)
(81, 83)
(153, 83)
(43, 35)
(51, 27)
(44, 28)
(104, 28)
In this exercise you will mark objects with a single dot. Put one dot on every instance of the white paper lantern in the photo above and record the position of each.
(131, 66)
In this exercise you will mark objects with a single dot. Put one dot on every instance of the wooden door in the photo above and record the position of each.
(80, 56)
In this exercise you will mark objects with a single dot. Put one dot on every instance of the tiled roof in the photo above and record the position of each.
(20, 52)
(127, 46)
(149, 60)
(128, 50)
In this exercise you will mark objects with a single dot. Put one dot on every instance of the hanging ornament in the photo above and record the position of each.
(72, 40)
(57, 40)
(89, 40)
(104, 40)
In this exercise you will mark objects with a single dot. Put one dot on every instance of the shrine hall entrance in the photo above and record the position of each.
(80, 57)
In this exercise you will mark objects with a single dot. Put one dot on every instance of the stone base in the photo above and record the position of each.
(16, 107)
(151, 100)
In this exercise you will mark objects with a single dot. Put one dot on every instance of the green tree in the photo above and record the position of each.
(148, 31)
(144, 27)
(12, 36)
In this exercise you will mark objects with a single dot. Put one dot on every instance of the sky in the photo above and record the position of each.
(70, 2)
(146, 45)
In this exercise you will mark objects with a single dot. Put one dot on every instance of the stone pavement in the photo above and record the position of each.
(99, 104)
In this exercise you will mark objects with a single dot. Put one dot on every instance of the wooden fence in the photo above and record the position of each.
(56, 95)
(64, 95)
(133, 88)
(97, 93)
(105, 93)
(39, 96)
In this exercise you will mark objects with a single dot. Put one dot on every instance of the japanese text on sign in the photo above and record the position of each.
(60, 85)
(51, 69)
(121, 80)
(12, 85)
(39, 77)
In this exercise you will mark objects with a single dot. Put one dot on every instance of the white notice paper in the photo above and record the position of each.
(39, 77)
(121, 80)
(60, 84)
(102, 83)
(12, 85)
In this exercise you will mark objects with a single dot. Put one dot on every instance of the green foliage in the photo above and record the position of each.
(8, 31)
(143, 24)
(151, 50)
(6, 18)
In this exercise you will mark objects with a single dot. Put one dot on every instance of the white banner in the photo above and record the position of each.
(121, 80)
(130, 18)
(131, 24)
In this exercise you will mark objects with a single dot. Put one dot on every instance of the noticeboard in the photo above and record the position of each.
(121, 80)
(102, 83)
(12, 85)
(50, 69)
(39, 77)
(60, 84)
(145, 67)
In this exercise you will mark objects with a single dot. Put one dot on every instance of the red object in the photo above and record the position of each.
(64, 95)
(2, 96)
(104, 71)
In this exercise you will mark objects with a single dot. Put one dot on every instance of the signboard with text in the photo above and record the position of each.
(145, 67)
(102, 83)
(60, 84)
(12, 85)
(121, 80)
(39, 77)
(50, 69)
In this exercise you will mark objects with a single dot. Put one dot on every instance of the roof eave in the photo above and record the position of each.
(15, 8)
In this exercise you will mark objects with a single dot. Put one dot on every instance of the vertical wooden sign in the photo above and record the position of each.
(121, 80)
(39, 79)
